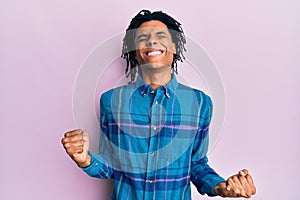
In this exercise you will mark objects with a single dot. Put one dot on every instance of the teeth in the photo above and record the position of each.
(154, 53)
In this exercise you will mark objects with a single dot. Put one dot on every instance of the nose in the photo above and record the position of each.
(151, 41)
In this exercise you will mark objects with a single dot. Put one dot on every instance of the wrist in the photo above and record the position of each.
(218, 188)
(86, 163)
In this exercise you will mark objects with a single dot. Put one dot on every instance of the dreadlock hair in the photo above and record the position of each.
(129, 49)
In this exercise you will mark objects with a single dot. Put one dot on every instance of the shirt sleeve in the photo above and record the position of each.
(202, 175)
(100, 167)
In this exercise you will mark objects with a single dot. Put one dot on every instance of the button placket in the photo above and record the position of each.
(152, 161)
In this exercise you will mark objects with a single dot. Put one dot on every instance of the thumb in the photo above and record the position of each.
(220, 189)
(82, 157)
(85, 137)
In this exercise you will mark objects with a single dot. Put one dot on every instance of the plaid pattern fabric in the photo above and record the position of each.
(154, 143)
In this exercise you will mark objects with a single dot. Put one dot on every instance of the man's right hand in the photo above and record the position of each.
(76, 144)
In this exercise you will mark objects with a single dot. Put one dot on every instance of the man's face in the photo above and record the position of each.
(154, 45)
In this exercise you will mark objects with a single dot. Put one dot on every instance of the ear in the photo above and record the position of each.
(173, 48)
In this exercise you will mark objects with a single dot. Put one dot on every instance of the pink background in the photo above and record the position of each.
(255, 45)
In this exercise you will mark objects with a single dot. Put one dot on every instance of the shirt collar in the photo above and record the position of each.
(169, 88)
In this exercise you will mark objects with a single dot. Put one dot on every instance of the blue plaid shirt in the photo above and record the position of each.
(153, 143)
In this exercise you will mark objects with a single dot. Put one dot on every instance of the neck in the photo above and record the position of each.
(156, 78)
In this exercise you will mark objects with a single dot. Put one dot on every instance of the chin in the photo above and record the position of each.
(155, 66)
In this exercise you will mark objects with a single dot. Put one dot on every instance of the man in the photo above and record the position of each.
(155, 130)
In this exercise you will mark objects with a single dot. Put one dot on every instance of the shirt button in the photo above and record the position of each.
(154, 128)
(152, 154)
(96, 164)
(156, 102)
(150, 181)
(144, 94)
(152, 91)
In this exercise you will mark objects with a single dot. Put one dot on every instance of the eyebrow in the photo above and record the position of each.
(161, 33)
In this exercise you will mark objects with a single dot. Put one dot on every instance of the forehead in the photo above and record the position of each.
(151, 26)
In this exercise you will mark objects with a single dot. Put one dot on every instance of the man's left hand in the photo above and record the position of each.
(238, 185)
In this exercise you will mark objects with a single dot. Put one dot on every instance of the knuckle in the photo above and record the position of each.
(67, 134)
(69, 151)
(66, 145)
(249, 177)
(62, 140)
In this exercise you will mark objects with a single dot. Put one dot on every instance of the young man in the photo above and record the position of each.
(155, 130)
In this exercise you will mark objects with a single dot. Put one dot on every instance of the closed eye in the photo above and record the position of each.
(161, 34)
(141, 38)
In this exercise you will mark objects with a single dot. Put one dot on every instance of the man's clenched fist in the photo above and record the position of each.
(238, 185)
(76, 144)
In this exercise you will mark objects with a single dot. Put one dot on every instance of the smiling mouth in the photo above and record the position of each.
(155, 52)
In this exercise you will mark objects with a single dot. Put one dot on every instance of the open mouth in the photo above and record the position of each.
(154, 52)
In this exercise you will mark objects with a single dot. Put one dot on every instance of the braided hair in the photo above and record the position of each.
(128, 49)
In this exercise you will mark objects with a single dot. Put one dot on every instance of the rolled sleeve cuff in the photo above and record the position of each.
(96, 168)
(209, 186)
